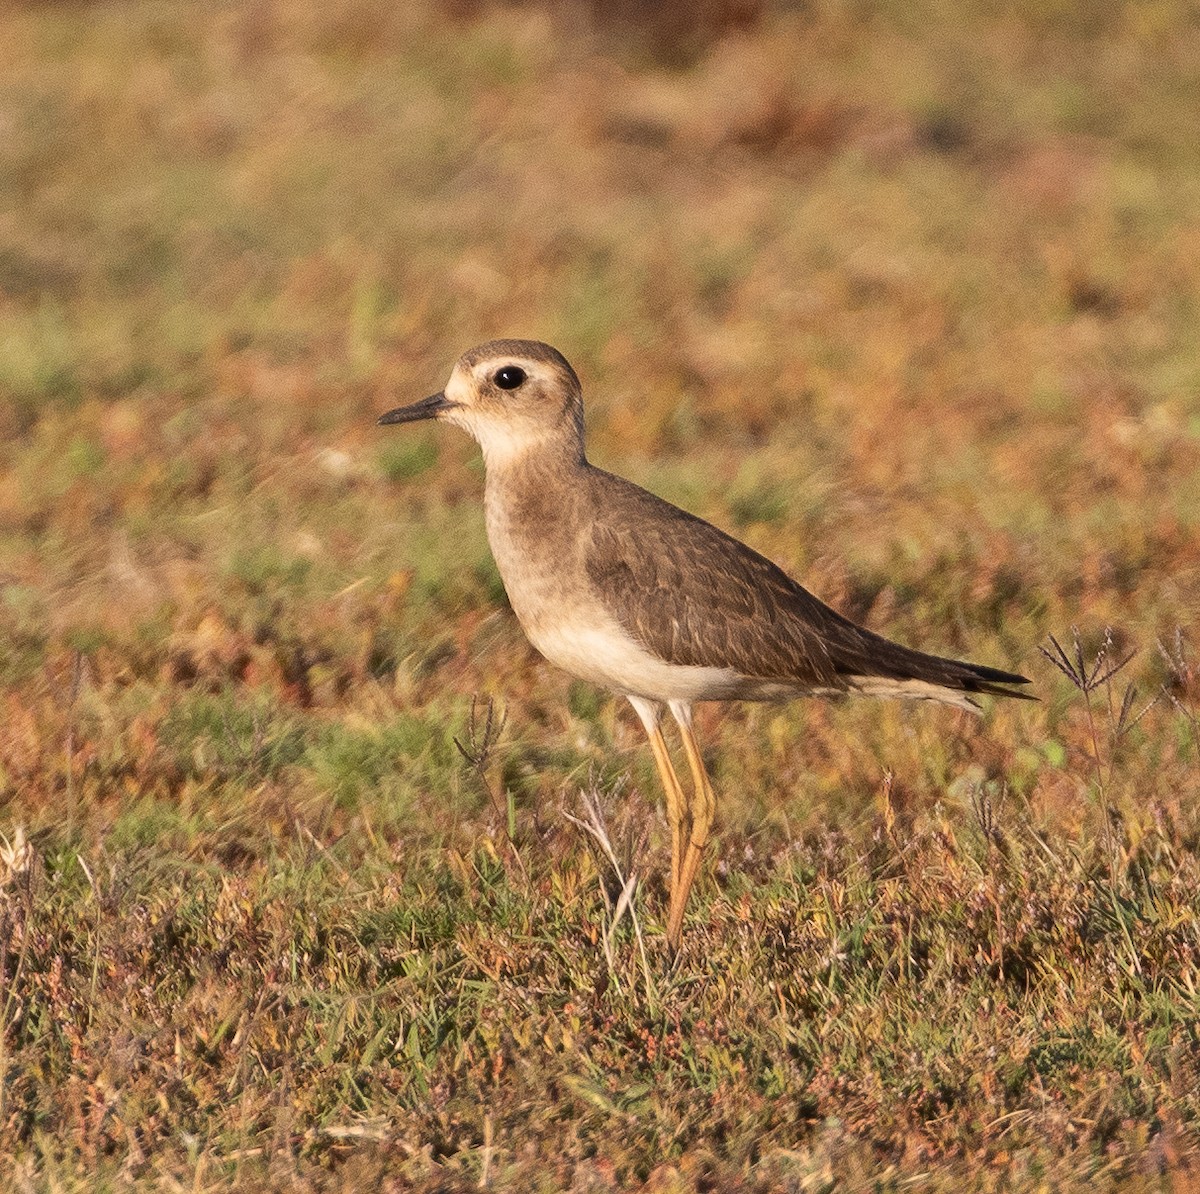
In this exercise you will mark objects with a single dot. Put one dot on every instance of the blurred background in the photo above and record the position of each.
(905, 294)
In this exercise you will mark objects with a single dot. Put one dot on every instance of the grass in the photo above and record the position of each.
(905, 297)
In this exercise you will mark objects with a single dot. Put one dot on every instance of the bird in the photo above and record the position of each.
(618, 587)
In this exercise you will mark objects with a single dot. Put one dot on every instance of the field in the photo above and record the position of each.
(905, 296)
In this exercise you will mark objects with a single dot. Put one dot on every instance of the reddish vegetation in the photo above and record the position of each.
(905, 299)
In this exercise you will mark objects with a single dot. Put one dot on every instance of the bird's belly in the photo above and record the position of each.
(599, 649)
(547, 586)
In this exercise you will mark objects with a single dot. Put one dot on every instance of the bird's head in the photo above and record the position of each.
(511, 396)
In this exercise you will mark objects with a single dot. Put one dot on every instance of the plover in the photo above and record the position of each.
(618, 587)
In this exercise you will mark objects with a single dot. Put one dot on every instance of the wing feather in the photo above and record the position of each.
(693, 595)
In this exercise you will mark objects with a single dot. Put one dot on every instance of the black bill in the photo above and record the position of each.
(427, 408)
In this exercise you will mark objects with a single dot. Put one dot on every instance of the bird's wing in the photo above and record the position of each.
(691, 594)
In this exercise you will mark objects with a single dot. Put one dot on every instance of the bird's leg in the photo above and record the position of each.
(677, 807)
(703, 807)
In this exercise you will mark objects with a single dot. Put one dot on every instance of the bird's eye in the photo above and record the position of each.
(509, 377)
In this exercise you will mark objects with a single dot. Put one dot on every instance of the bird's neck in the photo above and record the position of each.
(555, 450)
(531, 496)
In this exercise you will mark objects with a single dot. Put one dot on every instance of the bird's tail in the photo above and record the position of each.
(897, 671)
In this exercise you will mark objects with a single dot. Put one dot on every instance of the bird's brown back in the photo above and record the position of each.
(694, 595)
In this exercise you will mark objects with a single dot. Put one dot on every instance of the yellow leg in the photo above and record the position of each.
(677, 807)
(703, 808)
(676, 804)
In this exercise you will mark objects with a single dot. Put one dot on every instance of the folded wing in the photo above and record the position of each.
(693, 595)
